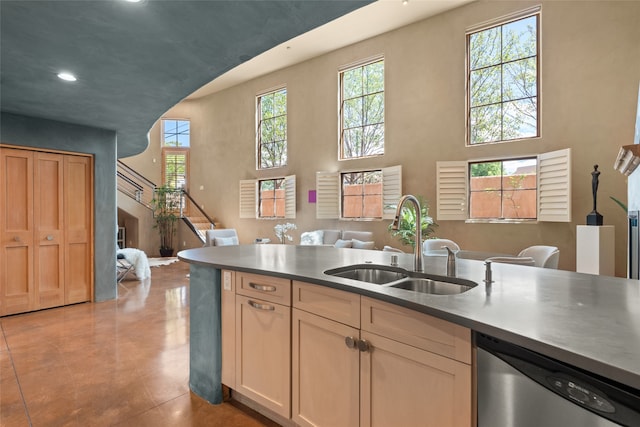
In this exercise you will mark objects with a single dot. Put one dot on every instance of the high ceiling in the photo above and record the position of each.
(133, 61)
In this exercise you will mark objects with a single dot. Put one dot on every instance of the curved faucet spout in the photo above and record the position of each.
(417, 261)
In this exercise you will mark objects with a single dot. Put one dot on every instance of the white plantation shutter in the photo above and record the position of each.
(248, 201)
(327, 195)
(554, 186)
(290, 196)
(452, 185)
(391, 190)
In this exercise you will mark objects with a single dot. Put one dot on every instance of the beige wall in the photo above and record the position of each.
(590, 69)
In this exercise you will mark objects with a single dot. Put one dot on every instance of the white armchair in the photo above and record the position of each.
(222, 237)
(430, 245)
(543, 256)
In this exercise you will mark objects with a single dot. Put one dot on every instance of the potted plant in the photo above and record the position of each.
(166, 208)
(407, 225)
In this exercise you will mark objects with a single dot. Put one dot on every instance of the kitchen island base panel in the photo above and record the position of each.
(205, 333)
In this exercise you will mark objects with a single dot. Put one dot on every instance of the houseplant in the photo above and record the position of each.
(166, 208)
(407, 225)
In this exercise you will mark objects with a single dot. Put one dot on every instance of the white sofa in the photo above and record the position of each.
(338, 238)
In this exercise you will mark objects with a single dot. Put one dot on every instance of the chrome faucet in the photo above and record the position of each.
(417, 262)
(451, 262)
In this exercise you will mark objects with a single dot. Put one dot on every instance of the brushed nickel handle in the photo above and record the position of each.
(16, 239)
(49, 237)
(363, 345)
(263, 288)
(351, 342)
(259, 306)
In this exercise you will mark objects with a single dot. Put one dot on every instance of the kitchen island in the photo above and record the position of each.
(591, 322)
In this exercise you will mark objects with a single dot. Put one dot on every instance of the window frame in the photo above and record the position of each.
(249, 198)
(553, 189)
(341, 102)
(500, 22)
(501, 190)
(361, 196)
(167, 150)
(259, 122)
(282, 184)
(163, 133)
(329, 193)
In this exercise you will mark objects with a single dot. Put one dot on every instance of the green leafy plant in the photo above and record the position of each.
(619, 203)
(407, 225)
(166, 209)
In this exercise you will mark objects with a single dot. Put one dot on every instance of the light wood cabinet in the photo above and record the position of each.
(263, 341)
(341, 359)
(401, 385)
(408, 373)
(325, 372)
(45, 230)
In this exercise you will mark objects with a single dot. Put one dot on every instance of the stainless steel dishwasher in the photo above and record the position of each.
(521, 388)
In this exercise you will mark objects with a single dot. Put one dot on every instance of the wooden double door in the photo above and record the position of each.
(46, 223)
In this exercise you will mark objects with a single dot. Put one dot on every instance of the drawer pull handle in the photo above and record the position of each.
(363, 345)
(351, 342)
(259, 306)
(263, 288)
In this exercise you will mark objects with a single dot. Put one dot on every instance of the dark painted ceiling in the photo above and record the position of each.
(135, 60)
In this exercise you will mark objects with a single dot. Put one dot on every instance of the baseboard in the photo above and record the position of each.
(284, 422)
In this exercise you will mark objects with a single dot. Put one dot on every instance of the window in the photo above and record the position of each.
(503, 81)
(272, 129)
(362, 194)
(175, 152)
(175, 133)
(507, 189)
(175, 156)
(504, 189)
(268, 198)
(272, 198)
(362, 110)
(358, 195)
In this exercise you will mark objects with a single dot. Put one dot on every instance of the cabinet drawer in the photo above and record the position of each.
(272, 289)
(417, 329)
(334, 304)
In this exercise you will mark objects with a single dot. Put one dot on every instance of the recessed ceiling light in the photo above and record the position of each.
(133, 1)
(67, 76)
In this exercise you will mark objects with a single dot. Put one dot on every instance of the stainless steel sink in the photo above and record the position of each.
(399, 278)
(370, 273)
(430, 286)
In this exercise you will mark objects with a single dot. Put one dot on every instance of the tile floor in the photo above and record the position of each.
(122, 362)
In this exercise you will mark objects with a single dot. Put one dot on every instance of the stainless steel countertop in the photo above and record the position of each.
(592, 322)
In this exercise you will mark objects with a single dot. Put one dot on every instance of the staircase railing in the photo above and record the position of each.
(142, 190)
(134, 185)
(198, 229)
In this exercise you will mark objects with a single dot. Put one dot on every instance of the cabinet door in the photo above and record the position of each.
(17, 292)
(325, 372)
(405, 386)
(49, 229)
(78, 200)
(263, 353)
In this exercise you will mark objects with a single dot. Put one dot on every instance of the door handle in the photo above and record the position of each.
(363, 345)
(259, 306)
(351, 342)
(263, 288)
(49, 237)
(16, 239)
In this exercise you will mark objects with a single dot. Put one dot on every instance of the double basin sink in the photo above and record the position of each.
(399, 278)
